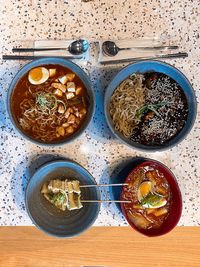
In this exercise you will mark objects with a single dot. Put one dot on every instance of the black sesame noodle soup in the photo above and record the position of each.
(149, 108)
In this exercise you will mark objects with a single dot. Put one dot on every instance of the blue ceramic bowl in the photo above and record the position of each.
(47, 217)
(68, 64)
(153, 66)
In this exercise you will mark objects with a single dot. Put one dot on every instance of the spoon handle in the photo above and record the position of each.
(150, 47)
(166, 56)
(20, 49)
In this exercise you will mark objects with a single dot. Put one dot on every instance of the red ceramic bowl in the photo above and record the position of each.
(176, 207)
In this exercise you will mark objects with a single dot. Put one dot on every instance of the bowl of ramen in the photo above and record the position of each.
(50, 101)
(150, 105)
(154, 202)
(56, 199)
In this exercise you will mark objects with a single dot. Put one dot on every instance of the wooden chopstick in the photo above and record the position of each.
(103, 185)
(106, 201)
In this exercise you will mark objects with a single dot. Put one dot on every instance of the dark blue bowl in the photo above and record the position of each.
(68, 64)
(47, 217)
(153, 66)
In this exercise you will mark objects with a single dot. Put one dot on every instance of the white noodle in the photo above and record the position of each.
(127, 98)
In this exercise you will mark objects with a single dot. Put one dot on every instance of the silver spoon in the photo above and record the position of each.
(75, 48)
(111, 49)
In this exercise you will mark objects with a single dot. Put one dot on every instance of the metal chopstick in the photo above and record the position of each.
(32, 49)
(106, 201)
(13, 57)
(21, 49)
(166, 56)
(172, 47)
(102, 185)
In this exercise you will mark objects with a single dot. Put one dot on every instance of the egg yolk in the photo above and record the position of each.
(36, 74)
(145, 188)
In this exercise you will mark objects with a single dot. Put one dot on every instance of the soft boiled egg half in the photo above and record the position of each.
(144, 189)
(38, 75)
(148, 198)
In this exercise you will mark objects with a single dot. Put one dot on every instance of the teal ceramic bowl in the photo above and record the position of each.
(78, 71)
(172, 72)
(47, 217)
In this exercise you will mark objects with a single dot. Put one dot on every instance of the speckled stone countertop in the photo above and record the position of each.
(99, 19)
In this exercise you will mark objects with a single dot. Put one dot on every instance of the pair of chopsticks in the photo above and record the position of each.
(32, 57)
(104, 201)
(159, 56)
(21, 57)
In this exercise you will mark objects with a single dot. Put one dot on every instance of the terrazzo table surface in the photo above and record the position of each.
(97, 150)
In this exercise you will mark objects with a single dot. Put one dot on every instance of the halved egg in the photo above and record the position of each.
(144, 189)
(157, 204)
(38, 75)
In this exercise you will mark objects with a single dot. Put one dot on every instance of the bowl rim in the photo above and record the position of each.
(70, 162)
(36, 63)
(158, 164)
(137, 146)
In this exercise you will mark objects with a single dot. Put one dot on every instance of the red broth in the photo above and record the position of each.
(49, 125)
(138, 212)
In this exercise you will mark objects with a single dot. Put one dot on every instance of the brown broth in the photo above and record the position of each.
(145, 218)
(21, 92)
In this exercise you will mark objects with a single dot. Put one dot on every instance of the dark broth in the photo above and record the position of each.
(24, 97)
(160, 126)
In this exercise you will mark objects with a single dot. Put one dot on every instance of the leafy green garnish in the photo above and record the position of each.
(151, 200)
(153, 107)
(46, 101)
(58, 199)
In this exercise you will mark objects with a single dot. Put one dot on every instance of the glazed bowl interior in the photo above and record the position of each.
(50, 219)
(176, 200)
(75, 69)
(172, 72)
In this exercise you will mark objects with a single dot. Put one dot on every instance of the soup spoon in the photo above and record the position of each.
(75, 48)
(111, 49)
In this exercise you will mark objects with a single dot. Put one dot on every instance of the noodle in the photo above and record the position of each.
(43, 114)
(148, 108)
(125, 101)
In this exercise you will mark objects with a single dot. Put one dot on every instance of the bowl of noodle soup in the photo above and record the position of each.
(150, 106)
(50, 101)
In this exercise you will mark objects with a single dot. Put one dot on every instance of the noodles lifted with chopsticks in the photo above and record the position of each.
(126, 100)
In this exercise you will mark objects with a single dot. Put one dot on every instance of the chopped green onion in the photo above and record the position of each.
(151, 200)
(147, 107)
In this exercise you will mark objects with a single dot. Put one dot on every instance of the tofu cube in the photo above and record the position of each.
(71, 87)
(71, 119)
(79, 90)
(61, 131)
(78, 121)
(58, 92)
(83, 111)
(77, 114)
(52, 72)
(63, 79)
(59, 86)
(61, 109)
(69, 130)
(70, 77)
(70, 95)
(68, 112)
(65, 125)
